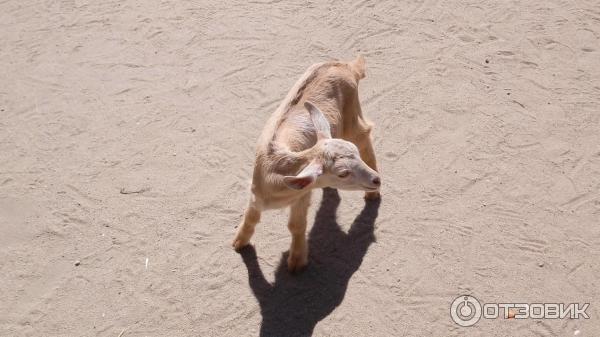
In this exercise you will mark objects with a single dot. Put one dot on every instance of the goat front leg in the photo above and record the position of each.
(246, 227)
(298, 255)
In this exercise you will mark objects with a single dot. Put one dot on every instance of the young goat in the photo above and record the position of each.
(317, 138)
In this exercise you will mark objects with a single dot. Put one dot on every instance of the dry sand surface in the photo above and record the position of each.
(127, 134)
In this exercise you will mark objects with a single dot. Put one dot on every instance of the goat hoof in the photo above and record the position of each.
(296, 264)
(238, 244)
(372, 195)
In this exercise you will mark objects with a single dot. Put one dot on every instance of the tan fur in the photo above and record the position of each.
(291, 147)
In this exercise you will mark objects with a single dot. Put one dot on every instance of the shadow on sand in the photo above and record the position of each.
(294, 304)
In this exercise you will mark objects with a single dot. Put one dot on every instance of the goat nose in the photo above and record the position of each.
(376, 181)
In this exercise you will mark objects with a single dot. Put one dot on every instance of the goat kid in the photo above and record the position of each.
(316, 138)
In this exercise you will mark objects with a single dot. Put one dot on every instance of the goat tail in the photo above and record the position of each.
(358, 67)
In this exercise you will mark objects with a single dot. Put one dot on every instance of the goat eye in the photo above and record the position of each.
(344, 174)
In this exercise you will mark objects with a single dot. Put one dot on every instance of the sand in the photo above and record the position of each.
(127, 134)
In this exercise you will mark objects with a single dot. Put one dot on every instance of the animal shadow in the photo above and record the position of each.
(294, 304)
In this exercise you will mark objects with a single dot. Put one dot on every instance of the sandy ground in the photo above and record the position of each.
(127, 132)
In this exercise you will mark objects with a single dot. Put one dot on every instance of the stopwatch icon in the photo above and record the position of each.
(465, 310)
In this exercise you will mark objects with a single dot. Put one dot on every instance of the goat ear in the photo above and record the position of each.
(306, 177)
(319, 120)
